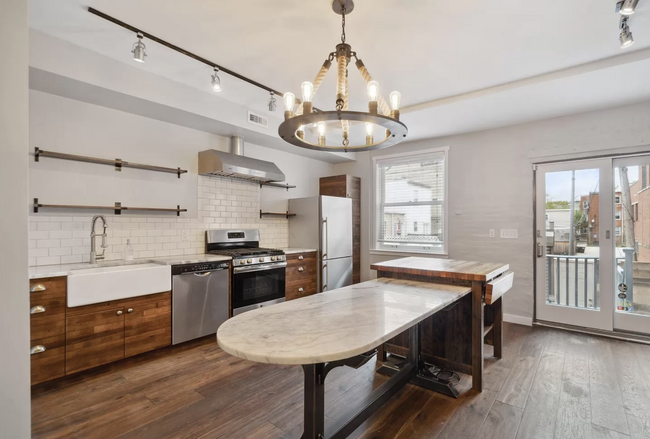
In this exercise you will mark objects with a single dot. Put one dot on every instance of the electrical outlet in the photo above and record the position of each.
(492, 233)
(509, 234)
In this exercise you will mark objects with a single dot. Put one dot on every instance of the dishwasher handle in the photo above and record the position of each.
(201, 273)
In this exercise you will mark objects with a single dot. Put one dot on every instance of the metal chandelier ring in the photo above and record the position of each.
(288, 129)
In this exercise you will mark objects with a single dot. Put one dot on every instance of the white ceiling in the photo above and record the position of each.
(429, 50)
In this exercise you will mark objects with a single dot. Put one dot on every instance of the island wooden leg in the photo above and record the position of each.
(497, 329)
(477, 336)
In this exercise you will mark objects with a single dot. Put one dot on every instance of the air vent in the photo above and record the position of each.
(256, 119)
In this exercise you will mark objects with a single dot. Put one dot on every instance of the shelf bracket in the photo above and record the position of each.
(36, 205)
(118, 208)
(178, 206)
(118, 165)
(37, 154)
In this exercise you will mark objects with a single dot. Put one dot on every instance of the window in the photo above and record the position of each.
(410, 195)
(617, 215)
(585, 205)
(617, 199)
(644, 177)
(618, 230)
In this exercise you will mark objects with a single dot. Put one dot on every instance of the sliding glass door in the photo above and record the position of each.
(632, 245)
(573, 233)
(593, 243)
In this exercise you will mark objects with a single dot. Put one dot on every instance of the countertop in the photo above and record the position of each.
(294, 250)
(449, 268)
(68, 269)
(336, 324)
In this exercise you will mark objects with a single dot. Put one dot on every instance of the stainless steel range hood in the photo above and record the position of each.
(234, 164)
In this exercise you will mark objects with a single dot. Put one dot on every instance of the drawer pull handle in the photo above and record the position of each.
(130, 310)
(119, 313)
(37, 309)
(301, 269)
(36, 288)
(37, 349)
(300, 290)
(300, 257)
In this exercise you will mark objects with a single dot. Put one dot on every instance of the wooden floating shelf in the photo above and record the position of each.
(280, 185)
(117, 163)
(117, 208)
(286, 214)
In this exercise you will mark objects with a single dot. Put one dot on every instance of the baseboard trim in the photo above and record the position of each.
(618, 335)
(520, 320)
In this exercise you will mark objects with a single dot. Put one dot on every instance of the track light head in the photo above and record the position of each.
(273, 103)
(625, 37)
(216, 81)
(626, 7)
(139, 50)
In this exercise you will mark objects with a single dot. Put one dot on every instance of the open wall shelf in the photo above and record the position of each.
(117, 163)
(117, 208)
(279, 185)
(287, 215)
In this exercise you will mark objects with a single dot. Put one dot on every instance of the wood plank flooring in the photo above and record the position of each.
(549, 384)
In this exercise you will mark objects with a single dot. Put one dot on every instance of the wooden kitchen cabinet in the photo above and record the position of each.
(94, 338)
(301, 275)
(147, 325)
(347, 186)
(105, 332)
(47, 328)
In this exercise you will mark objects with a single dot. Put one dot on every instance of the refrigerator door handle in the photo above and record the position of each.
(327, 239)
(326, 278)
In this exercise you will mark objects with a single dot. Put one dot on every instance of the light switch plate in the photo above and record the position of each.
(492, 233)
(509, 234)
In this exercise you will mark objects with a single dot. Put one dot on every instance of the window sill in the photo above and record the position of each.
(409, 253)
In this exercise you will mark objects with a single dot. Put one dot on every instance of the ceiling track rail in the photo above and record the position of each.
(183, 51)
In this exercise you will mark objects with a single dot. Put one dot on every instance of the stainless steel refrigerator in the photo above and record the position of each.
(325, 223)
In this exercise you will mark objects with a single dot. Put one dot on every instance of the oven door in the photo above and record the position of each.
(257, 284)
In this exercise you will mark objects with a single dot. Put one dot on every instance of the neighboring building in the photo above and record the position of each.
(640, 198)
(589, 205)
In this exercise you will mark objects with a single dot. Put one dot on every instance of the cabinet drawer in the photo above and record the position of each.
(47, 358)
(301, 270)
(51, 286)
(47, 305)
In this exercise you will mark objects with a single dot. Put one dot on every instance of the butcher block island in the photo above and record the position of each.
(455, 338)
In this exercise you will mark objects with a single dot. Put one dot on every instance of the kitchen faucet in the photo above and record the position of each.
(93, 252)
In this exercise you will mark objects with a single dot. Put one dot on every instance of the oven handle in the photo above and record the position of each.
(258, 268)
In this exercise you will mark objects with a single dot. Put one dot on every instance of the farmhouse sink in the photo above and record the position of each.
(102, 284)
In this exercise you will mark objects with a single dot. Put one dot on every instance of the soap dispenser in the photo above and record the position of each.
(128, 251)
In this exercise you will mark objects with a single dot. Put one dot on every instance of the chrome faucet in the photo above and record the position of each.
(93, 252)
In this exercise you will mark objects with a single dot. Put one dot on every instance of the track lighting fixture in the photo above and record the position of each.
(626, 7)
(139, 50)
(216, 81)
(626, 36)
(273, 103)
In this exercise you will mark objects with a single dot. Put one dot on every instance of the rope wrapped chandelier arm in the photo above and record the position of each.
(308, 129)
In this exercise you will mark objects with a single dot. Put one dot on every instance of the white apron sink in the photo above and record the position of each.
(102, 284)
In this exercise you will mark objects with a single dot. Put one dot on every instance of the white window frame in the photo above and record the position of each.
(617, 215)
(374, 249)
(617, 199)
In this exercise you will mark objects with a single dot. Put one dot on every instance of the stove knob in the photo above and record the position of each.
(261, 259)
(242, 262)
(273, 258)
(250, 261)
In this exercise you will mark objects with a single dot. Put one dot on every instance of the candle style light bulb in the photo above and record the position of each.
(301, 132)
(373, 91)
(369, 128)
(395, 98)
(307, 91)
(289, 101)
(321, 128)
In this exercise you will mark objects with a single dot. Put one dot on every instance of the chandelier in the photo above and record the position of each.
(308, 127)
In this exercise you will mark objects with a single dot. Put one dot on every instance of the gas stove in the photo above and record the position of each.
(242, 246)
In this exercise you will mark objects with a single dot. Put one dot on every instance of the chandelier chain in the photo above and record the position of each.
(343, 25)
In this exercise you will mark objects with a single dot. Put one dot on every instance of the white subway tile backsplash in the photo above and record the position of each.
(223, 204)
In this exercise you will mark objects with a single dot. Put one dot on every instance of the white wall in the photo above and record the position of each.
(491, 184)
(62, 236)
(15, 419)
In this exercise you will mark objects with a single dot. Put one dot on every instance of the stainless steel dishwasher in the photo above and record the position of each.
(199, 299)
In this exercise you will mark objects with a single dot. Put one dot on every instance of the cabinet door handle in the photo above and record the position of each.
(300, 290)
(119, 313)
(129, 310)
(37, 309)
(37, 349)
(37, 288)
(300, 257)
(301, 269)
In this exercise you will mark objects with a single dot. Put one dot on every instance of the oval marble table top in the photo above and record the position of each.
(334, 325)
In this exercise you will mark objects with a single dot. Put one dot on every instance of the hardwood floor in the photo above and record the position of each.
(549, 384)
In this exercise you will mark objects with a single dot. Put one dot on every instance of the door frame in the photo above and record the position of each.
(602, 318)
